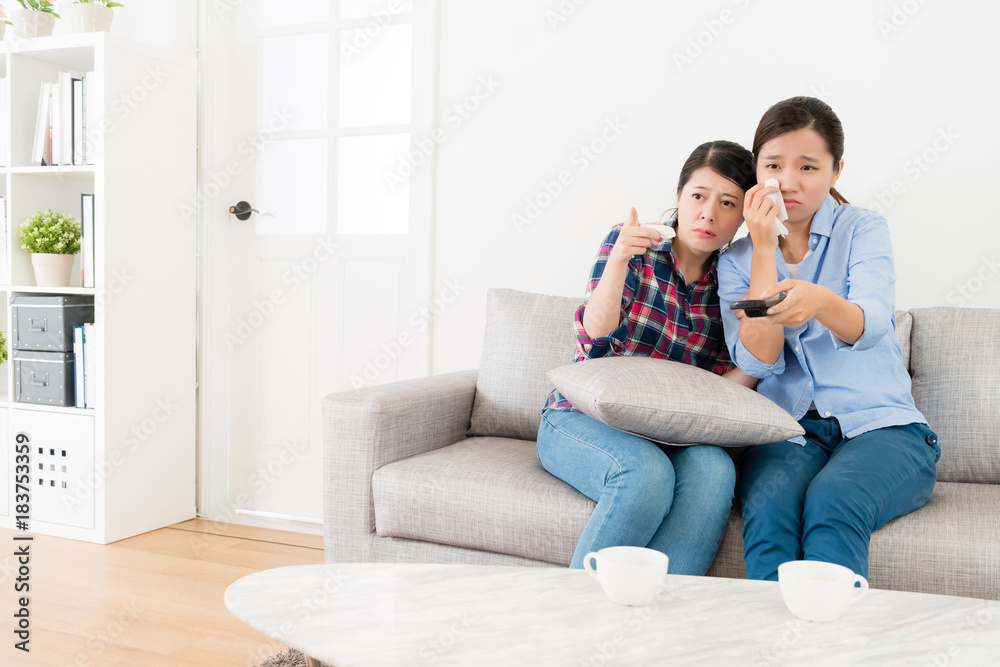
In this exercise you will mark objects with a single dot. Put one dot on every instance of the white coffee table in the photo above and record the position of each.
(367, 615)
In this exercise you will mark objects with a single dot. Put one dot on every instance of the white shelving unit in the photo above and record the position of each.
(128, 465)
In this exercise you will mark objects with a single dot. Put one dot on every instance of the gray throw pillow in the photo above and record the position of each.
(526, 335)
(672, 403)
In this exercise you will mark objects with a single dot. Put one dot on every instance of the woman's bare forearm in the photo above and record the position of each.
(739, 377)
(602, 315)
(763, 340)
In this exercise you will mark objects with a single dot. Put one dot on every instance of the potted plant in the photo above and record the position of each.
(92, 15)
(36, 19)
(3, 346)
(52, 239)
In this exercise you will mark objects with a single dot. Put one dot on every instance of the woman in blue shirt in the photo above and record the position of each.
(827, 354)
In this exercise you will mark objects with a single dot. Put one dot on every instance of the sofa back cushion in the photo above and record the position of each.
(955, 364)
(526, 336)
(904, 324)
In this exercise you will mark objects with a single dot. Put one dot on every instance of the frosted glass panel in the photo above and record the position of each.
(352, 9)
(291, 187)
(293, 94)
(278, 13)
(367, 203)
(375, 83)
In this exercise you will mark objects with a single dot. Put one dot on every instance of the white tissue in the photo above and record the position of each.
(665, 231)
(780, 203)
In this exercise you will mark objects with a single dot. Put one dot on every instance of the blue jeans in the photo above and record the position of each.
(673, 499)
(822, 501)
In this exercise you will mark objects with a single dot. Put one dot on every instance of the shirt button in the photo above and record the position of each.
(932, 440)
(827, 414)
(796, 348)
(810, 383)
(813, 241)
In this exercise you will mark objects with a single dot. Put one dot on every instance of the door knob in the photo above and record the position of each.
(242, 210)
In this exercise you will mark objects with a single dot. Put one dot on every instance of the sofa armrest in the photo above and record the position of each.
(365, 429)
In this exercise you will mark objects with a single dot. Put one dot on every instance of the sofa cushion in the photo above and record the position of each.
(947, 547)
(942, 548)
(672, 402)
(526, 335)
(955, 364)
(489, 494)
(904, 324)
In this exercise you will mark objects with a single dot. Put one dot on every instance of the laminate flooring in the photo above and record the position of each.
(149, 600)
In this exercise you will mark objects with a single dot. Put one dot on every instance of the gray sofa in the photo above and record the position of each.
(443, 468)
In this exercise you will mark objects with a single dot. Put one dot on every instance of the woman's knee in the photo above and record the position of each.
(706, 465)
(650, 468)
(837, 500)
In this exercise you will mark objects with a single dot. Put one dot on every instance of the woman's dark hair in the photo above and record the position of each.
(726, 158)
(797, 113)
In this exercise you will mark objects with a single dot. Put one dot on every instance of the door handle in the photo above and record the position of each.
(242, 210)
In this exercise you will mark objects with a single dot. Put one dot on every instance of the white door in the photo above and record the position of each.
(311, 112)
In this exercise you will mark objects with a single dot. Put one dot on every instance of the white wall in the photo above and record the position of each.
(164, 23)
(896, 90)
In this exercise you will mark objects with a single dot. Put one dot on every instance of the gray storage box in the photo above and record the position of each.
(46, 322)
(44, 377)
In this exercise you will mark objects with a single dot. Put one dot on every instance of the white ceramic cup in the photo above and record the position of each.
(628, 575)
(818, 591)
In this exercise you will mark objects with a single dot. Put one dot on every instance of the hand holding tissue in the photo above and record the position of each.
(780, 203)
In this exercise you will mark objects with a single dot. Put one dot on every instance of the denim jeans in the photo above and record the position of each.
(822, 501)
(673, 499)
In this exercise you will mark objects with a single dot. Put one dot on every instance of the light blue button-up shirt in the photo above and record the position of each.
(865, 385)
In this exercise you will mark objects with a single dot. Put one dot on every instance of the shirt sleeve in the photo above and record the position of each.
(870, 282)
(733, 285)
(591, 348)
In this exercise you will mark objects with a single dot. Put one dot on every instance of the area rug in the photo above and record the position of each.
(290, 658)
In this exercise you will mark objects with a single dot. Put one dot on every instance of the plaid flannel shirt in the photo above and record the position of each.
(661, 315)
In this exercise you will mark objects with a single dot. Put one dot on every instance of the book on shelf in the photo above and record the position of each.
(55, 122)
(88, 149)
(3, 239)
(78, 114)
(87, 240)
(61, 123)
(41, 152)
(79, 364)
(89, 366)
(3, 122)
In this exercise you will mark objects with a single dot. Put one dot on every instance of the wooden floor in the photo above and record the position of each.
(154, 599)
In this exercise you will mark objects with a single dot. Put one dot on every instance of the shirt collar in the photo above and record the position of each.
(822, 222)
(711, 276)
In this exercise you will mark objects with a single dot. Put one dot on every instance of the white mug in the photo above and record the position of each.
(818, 591)
(628, 575)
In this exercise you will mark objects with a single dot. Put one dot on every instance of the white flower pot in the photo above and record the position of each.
(90, 17)
(3, 28)
(52, 270)
(32, 23)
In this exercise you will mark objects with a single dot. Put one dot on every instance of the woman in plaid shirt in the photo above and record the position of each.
(656, 297)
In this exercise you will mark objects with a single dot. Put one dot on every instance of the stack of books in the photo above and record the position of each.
(61, 127)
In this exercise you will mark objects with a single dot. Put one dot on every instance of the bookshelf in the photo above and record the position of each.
(126, 466)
